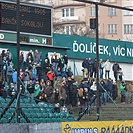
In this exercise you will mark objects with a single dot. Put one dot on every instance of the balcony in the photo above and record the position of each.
(68, 20)
(71, 18)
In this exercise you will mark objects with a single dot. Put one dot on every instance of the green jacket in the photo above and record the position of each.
(122, 87)
(36, 90)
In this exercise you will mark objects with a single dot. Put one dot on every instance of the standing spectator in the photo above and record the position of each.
(73, 93)
(38, 57)
(34, 73)
(29, 62)
(46, 57)
(21, 74)
(31, 55)
(109, 85)
(10, 71)
(9, 54)
(85, 66)
(90, 67)
(48, 91)
(56, 90)
(14, 79)
(26, 77)
(21, 60)
(104, 90)
(101, 67)
(65, 57)
(62, 93)
(120, 74)
(42, 84)
(130, 92)
(107, 66)
(61, 62)
(37, 91)
(30, 87)
(55, 61)
(93, 90)
(114, 91)
(123, 91)
(51, 76)
(94, 67)
(115, 68)
(4, 69)
(69, 72)
(3, 54)
(58, 73)
(46, 66)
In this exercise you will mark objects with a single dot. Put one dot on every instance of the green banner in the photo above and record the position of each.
(81, 47)
(11, 37)
(8, 37)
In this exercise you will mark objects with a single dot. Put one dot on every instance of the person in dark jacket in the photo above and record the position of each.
(114, 91)
(65, 57)
(73, 93)
(85, 66)
(21, 59)
(115, 68)
(103, 90)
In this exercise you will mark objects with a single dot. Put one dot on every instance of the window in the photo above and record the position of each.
(128, 13)
(67, 12)
(112, 28)
(92, 11)
(111, 11)
(128, 28)
(68, 30)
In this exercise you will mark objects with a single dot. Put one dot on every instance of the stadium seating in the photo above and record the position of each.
(36, 113)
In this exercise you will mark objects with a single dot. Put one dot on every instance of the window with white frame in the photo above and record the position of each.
(92, 11)
(68, 30)
(128, 28)
(128, 13)
(111, 11)
(67, 12)
(112, 28)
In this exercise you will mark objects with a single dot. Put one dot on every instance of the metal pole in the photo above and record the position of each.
(18, 66)
(97, 68)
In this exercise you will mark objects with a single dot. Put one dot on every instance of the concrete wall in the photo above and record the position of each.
(127, 69)
(31, 128)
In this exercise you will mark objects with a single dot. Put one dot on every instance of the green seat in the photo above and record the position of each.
(31, 120)
(22, 120)
(36, 120)
(44, 115)
(42, 120)
(51, 115)
(4, 120)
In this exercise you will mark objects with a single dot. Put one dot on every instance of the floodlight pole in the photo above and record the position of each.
(97, 64)
(18, 65)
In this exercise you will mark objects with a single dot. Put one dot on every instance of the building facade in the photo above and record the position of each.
(73, 18)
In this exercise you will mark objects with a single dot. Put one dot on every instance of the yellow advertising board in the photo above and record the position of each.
(98, 127)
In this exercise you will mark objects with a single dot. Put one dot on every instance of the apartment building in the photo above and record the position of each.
(73, 18)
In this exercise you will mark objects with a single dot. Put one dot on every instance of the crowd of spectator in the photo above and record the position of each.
(52, 80)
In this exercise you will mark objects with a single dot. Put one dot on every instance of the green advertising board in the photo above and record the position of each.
(11, 37)
(81, 47)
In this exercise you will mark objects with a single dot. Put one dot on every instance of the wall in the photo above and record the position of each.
(127, 69)
(31, 128)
